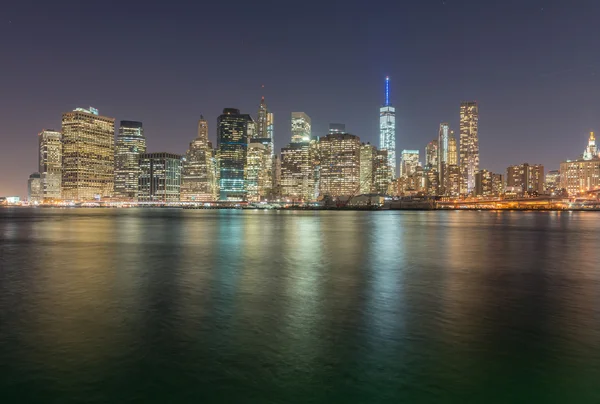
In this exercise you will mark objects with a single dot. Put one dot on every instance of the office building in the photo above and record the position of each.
(497, 184)
(452, 150)
(258, 171)
(552, 181)
(409, 162)
(387, 128)
(583, 174)
(160, 177)
(483, 183)
(34, 189)
(368, 158)
(128, 147)
(442, 156)
(88, 155)
(232, 143)
(469, 146)
(453, 181)
(270, 122)
(50, 163)
(198, 171)
(526, 178)
(337, 128)
(339, 165)
(431, 154)
(261, 120)
(297, 172)
(301, 127)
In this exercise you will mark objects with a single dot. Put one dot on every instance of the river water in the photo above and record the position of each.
(161, 305)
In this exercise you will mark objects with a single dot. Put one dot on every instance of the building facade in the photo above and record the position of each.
(88, 155)
(526, 178)
(198, 171)
(50, 164)
(452, 150)
(34, 189)
(297, 176)
(368, 158)
(339, 165)
(409, 162)
(387, 128)
(301, 128)
(160, 177)
(442, 156)
(258, 171)
(583, 174)
(469, 145)
(128, 147)
(232, 138)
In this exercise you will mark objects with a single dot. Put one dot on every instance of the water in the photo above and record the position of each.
(157, 306)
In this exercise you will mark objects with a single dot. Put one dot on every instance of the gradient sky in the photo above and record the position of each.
(531, 64)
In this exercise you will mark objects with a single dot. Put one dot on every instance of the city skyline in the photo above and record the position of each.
(547, 77)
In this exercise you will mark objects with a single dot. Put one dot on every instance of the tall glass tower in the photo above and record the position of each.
(387, 129)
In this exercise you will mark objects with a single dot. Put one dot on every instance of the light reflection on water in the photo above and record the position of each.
(254, 306)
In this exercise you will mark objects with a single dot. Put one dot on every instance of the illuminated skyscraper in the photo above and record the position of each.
(130, 144)
(261, 120)
(387, 128)
(297, 172)
(301, 127)
(232, 138)
(469, 146)
(160, 177)
(368, 154)
(442, 156)
(340, 164)
(270, 122)
(258, 171)
(88, 155)
(409, 162)
(452, 150)
(591, 151)
(50, 163)
(431, 154)
(198, 182)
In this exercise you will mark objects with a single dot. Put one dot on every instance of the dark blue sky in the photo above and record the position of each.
(531, 64)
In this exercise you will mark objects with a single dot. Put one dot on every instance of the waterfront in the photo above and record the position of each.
(173, 305)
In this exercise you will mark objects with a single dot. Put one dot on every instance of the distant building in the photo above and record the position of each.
(262, 130)
(583, 174)
(232, 141)
(198, 172)
(337, 128)
(484, 183)
(129, 145)
(34, 188)
(452, 150)
(301, 127)
(50, 163)
(528, 178)
(469, 145)
(340, 164)
(453, 181)
(409, 162)
(497, 184)
(258, 171)
(368, 155)
(432, 182)
(160, 177)
(297, 172)
(552, 181)
(442, 156)
(431, 153)
(88, 155)
(387, 128)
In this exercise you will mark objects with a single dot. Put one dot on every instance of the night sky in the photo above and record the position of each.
(531, 64)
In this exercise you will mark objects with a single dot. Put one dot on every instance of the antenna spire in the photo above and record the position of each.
(387, 91)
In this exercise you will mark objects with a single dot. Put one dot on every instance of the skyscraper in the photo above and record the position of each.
(50, 163)
(526, 178)
(232, 138)
(258, 171)
(297, 172)
(442, 156)
(409, 162)
(452, 150)
(337, 128)
(387, 128)
(469, 146)
(270, 123)
(368, 154)
(431, 154)
(261, 120)
(88, 155)
(160, 177)
(198, 182)
(301, 127)
(340, 164)
(129, 145)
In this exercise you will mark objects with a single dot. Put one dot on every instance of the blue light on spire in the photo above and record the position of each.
(387, 91)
